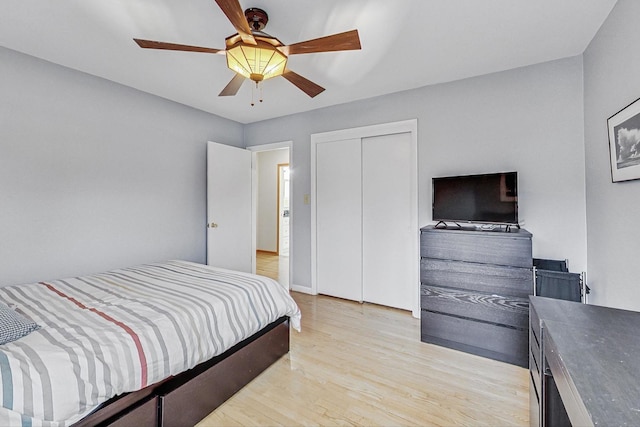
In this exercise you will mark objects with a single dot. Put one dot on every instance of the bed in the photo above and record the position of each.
(155, 344)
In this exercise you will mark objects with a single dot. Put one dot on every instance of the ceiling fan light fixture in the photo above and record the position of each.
(256, 62)
(255, 55)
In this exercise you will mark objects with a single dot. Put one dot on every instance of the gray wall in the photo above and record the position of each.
(95, 175)
(611, 81)
(528, 119)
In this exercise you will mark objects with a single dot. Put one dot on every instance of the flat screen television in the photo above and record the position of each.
(488, 198)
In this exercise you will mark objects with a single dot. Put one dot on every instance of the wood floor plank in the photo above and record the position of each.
(364, 365)
(267, 264)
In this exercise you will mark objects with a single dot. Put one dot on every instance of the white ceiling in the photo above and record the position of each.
(405, 44)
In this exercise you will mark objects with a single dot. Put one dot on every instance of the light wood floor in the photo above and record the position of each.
(364, 365)
(274, 266)
(267, 264)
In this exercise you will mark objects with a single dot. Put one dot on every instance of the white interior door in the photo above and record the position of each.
(229, 215)
(283, 210)
(388, 232)
(338, 211)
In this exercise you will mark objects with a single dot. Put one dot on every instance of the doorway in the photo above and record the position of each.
(271, 173)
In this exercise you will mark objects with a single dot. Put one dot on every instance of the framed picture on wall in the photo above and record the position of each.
(624, 143)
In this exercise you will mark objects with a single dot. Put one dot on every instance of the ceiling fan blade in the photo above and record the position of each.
(233, 86)
(151, 44)
(235, 15)
(343, 41)
(307, 86)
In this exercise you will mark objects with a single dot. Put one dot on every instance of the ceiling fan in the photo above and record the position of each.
(255, 55)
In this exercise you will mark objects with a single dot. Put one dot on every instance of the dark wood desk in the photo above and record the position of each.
(588, 364)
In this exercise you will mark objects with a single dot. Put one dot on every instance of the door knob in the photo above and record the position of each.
(212, 225)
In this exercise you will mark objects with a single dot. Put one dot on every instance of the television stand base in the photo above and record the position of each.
(452, 225)
(506, 228)
(443, 225)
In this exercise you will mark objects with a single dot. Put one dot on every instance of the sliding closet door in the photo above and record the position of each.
(388, 232)
(338, 213)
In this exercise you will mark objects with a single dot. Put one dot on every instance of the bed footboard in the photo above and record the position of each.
(187, 402)
(188, 397)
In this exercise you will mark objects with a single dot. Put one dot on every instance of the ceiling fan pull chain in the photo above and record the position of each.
(260, 86)
(253, 90)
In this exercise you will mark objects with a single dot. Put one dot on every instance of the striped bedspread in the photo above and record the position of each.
(110, 333)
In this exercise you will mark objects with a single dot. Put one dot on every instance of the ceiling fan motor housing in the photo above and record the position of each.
(257, 18)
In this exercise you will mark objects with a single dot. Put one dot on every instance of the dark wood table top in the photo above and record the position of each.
(593, 353)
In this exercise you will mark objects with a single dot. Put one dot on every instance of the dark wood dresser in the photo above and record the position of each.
(474, 291)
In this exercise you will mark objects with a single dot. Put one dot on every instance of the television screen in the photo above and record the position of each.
(489, 198)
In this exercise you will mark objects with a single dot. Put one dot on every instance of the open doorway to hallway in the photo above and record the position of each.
(273, 214)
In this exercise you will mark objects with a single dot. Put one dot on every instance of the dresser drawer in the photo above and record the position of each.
(534, 346)
(509, 249)
(496, 342)
(492, 279)
(536, 328)
(534, 404)
(535, 359)
(534, 372)
(499, 310)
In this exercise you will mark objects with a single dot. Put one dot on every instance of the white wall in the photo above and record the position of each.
(611, 81)
(95, 175)
(267, 209)
(528, 119)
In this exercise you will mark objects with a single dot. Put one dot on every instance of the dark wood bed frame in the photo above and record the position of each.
(186, 398)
